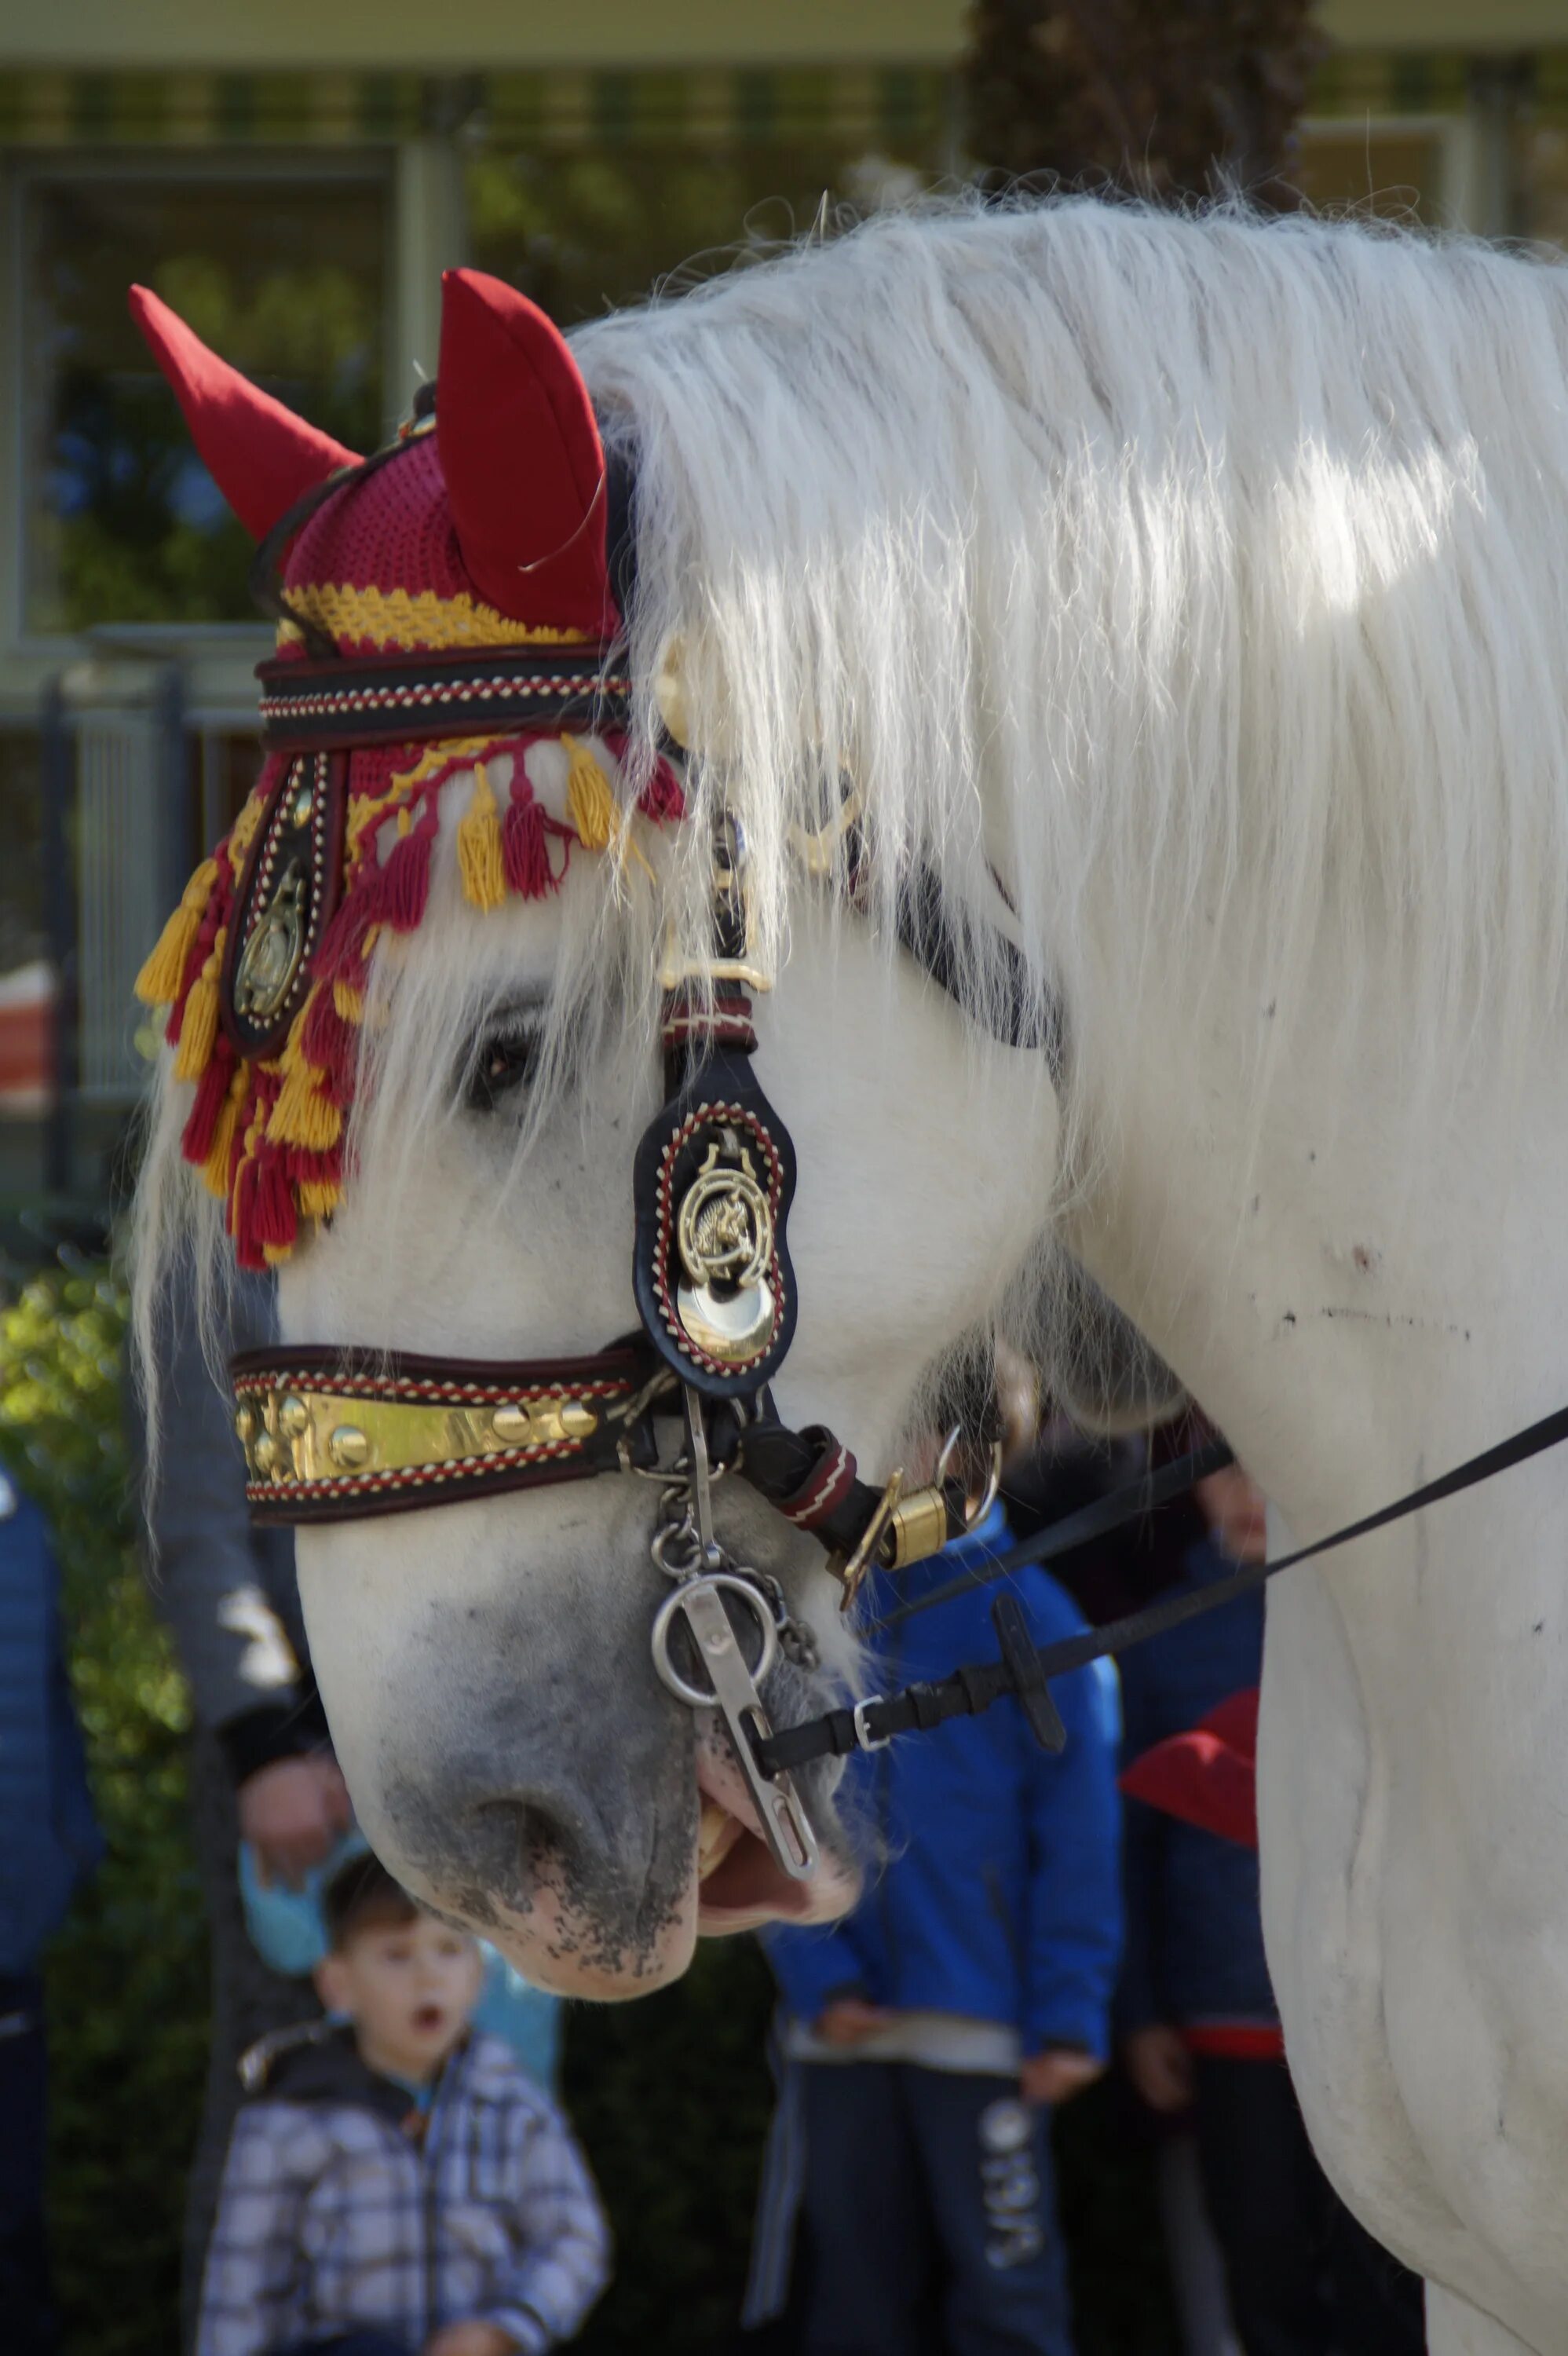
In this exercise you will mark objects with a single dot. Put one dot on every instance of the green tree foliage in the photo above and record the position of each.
(126, 1977)
(1169, 101)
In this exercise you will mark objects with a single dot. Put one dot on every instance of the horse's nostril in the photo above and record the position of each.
(540, 1838)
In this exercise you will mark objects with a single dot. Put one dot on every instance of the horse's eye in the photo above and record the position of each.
(505, 1061)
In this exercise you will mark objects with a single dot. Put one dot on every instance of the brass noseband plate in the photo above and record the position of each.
(328, 1436)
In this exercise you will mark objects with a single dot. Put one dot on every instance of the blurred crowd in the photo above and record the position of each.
(384, 2168)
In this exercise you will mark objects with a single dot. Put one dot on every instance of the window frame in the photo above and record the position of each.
(371, 165)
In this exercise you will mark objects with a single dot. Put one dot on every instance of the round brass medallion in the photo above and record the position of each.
(724, 1232)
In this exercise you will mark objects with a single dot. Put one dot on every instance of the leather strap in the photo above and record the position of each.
(972, 1690)
(308, 706)
(339, 1435)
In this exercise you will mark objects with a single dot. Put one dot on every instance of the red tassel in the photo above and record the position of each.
(211, 1090)
(405, 879)
(341, 953)
(525, 846)
(273, 1218)
(307, 1167)
(331, 1047)
(663, 797)
(243, 1218)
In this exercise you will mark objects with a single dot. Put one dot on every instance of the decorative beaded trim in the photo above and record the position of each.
(525, 1462)
(434, 1392)
(370, 703)
(323, 833)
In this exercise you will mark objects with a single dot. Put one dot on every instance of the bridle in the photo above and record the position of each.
(338, 1432)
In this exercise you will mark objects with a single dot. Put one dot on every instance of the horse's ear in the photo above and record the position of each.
(261, 456)
(522, 458)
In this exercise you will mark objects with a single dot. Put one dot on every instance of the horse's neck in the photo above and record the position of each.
(1356, 1299)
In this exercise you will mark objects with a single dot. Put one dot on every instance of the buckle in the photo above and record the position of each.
(863, 1735)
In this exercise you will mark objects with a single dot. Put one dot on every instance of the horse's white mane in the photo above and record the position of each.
(1137, 553)
(1121, 556)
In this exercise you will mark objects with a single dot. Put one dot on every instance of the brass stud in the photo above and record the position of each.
(266, 1455)
(245, 1425)
(512, 1423)
(577, 1420)
(294, 1417)
(348, 1447)
(304, 804)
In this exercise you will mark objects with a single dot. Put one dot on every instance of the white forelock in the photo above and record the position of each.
(1148, 557)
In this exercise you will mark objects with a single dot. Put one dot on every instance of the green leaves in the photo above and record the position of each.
(125, 1979)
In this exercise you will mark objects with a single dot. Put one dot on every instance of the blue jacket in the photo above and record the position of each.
(49, 1837)
(1195, 1943)
(1000, 1899)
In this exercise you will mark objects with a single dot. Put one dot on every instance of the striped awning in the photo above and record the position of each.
(906, 106)
(909, 109)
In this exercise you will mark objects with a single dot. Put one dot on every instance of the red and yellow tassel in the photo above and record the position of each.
(479, 853)
(162, 978)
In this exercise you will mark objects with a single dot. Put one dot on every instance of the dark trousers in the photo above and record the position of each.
(930, 2216)
(1303, 2275)
(27, 2321)
(247, 2001)
(352, 2343)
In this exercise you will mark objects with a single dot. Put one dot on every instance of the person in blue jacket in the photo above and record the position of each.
(931, 2032)
(49, 1840)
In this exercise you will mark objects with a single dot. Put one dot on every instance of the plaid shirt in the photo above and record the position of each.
(337, 2213)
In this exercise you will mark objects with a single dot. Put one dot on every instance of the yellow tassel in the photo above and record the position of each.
(199, 1024)
(318, 1198)
(348, 1002)
(242, 833)
(303, 1116)
(589, 800)
(215, 1169)
(163, 977)
(479, 846)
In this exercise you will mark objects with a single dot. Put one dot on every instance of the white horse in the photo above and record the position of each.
(1192, 596)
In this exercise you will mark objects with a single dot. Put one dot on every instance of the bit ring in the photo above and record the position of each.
(669, 1676)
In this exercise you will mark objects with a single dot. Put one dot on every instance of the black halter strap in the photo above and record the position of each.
(1024, 1668)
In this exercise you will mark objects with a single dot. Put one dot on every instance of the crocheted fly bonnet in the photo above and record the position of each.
(444, 603)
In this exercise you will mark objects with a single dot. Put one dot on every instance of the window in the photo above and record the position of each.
(282, 272)
(1389, 168)
(582, 231)
(1542, 159)
(24, 931)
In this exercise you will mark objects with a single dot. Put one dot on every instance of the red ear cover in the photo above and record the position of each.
(522, 458)
(261, 456)
(1207, 1777)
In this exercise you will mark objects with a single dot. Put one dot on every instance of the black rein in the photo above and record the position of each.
(1024, 1669)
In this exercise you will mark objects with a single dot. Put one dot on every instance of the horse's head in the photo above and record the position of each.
(427, 999)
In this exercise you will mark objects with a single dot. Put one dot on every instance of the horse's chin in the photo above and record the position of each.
(739, 1886)
(559, 1942)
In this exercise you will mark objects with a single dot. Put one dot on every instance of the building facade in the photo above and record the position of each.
(299, 214)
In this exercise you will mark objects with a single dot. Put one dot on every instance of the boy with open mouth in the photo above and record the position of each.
(397, 2186)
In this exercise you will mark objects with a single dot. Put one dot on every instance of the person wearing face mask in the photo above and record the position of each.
(397, 2186)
